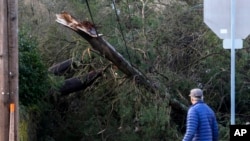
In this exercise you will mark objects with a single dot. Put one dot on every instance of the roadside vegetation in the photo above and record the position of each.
(167, 41)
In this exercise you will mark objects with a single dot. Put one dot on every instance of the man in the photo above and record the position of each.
(201, 120)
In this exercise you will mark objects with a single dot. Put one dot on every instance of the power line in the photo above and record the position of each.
(92, 19)
(132, 33)
(119, 23)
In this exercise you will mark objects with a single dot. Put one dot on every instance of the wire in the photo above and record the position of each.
(92, 19)
(132, 33)
(117, 16)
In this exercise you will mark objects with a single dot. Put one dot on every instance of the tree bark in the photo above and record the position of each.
(61, 68)
(79, 83)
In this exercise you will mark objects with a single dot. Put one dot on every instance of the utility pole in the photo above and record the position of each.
(9, 70)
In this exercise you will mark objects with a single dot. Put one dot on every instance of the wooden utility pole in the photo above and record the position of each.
(9, 70)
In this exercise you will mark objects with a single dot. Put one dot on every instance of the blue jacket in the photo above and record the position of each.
(201, 123)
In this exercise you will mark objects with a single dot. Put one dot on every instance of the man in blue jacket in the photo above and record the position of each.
(201, 120)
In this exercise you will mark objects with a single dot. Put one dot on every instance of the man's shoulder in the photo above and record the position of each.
(200, 105)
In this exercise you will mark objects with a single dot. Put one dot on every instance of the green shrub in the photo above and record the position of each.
(32, 72)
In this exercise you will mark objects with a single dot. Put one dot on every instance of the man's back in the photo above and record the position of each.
(201, 123)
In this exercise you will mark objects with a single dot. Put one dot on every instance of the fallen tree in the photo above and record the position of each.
(62, 67)
(87, 31)
(79, 83)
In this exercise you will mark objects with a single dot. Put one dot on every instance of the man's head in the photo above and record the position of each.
(196, 94)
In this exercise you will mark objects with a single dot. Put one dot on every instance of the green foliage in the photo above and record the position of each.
(23, 124)
(33, 87)
(172, 46)
(33, 74)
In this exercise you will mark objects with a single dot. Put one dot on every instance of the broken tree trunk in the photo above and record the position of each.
(61, 68)
(73, 84)
(79, 83)
(88, 32)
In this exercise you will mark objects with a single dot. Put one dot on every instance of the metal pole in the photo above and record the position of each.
(232, 62)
